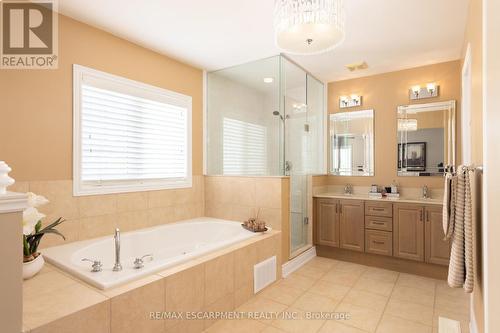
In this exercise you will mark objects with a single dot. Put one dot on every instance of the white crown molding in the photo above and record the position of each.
(13, 202)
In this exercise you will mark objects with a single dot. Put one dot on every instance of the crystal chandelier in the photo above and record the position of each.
(308, 26)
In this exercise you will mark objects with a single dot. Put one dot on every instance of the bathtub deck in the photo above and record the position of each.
(54, 300)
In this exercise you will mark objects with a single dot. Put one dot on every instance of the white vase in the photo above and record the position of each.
(31, 268)
(5, 180)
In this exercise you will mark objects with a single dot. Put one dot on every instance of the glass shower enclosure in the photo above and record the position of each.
(267, 118)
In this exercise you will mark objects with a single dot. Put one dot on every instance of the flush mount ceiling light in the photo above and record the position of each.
(308, 26)
(268, 80)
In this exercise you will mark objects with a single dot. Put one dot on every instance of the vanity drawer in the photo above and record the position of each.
(378, 209)
(378, 222)
(378, 242)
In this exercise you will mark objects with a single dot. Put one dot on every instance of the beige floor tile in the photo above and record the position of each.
(391, 324)
(260, 304)
(442, 289)
(410, 311)
(271, 329)
(298, 324)
(451, 303)
(282, 294)
(360, 317)
(298, 281)
(374, 286)
(311, 271)
(236, 326)
(415, 281)
(313, 302)
(366, 299)
(381, 274)
(350, 267)
(324, 264)
(413, 295)
(329, 289)
(332, 326)
(341, 277)
(187, 326)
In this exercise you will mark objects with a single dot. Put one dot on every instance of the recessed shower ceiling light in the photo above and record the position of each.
(268, 80)
(308, 26)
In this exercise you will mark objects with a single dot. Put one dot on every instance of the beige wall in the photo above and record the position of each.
(238, 198)
(36, 105)
(384, 93)
(36, 134)
(473, 36)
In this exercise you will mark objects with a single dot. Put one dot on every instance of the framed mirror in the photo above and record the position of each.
(426, 138)
(351, 143)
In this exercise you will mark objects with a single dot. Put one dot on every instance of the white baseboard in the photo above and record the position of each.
(447, 325)
(472, 323)
(291, 266)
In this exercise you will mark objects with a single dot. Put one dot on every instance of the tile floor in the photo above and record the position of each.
(378, 300)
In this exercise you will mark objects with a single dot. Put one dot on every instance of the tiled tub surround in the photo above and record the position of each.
(95, 216)
(237, 198)
(220, 281)
(166, 245)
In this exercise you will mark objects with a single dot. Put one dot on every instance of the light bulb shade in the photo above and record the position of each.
(308, 26)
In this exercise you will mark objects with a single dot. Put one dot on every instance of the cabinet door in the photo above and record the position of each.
(437, 250)
(327, 222)
(408, 232)
(352, 225)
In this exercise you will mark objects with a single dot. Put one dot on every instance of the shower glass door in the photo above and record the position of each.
(303, 109)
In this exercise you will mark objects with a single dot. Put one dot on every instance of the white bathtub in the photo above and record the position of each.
(170, 244)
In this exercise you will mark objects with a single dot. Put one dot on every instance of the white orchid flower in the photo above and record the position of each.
(31, 216)
(35, 200)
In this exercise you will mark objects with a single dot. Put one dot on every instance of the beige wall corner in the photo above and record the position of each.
(11, 257)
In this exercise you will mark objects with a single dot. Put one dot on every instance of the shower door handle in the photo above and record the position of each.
(288, 167)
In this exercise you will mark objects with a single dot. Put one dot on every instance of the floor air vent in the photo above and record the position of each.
(264, 273)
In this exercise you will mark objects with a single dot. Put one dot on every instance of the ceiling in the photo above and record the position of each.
(388, 34)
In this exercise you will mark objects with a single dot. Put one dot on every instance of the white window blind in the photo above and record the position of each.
(129, 136)
(244, 148)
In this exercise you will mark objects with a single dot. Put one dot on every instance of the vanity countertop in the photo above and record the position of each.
(366, 197)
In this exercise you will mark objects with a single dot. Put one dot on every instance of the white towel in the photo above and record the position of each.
(460, 271)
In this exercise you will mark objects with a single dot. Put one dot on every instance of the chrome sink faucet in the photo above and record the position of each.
(348, 189)
(425, 192)
(118, 266)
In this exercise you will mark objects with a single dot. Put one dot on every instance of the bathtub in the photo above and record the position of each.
(169, 245)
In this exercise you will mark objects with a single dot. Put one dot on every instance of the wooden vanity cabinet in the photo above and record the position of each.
(327, 222)
(437, 250)
(408, 231)
(352, 225)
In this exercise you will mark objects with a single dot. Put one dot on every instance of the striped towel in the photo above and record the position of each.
(460, 270)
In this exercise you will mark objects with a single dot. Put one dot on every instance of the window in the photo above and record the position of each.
(128, 136)
(244, 148)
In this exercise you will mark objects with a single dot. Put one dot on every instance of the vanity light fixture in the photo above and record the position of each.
(430, 90)
(268, 80)
(350, 101)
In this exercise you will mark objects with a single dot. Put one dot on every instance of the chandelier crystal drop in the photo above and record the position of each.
(308, 26)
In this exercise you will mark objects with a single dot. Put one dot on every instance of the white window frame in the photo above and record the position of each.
(159, 94)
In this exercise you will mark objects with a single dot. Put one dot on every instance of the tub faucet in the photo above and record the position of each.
(118, 266)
